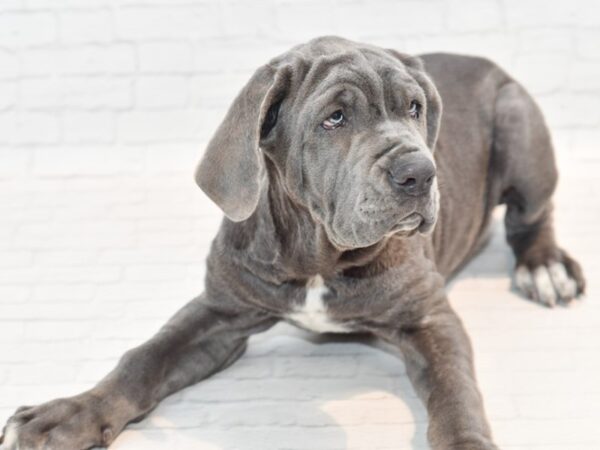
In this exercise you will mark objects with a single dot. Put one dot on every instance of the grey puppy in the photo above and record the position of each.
(325, 169)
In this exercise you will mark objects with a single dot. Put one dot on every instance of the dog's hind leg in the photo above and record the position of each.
(524, 158)
(202, 338)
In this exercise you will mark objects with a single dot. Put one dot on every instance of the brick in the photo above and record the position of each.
(143, 291)
(11, 331)
(16, 258)
(174, 225)
(40, 61)
(57, 309)
(57, 330)
(64, 4)
(116, 58)
(154, 272)
(15, 161)
(250, 368)
(165, 238)
(169, 157)
(33, 395)
(585, 143)
(152, 308)
(63, 292)
(9, 64)
(520, 14)
(210, 119)
(28, 374)
(80, 59)
(40, 93)
(499, 47)
(36, 128)
(570, 110)
(77, 235)
(147, 126)
(66, 258)
(237, 18)
(161, 91)
(166, 57)
(473, 15)
(148, 255)
(302, 21)
(538, 40)
(159, 2)
(567, 406)
(588, 43)
(80, 274)
(129, 329)
(152, 210)
(587, 13)
(541, 73)
(8, 121)
(385, 18)
(78, 194)
(8, 94)
(92, 371)
(23, 29)
(14, 294)
(216, 90)
(98, 92)
(97, 160)
(171, 23)
(340, 367)
(89, 127)
(79, 27)
(235, 55)
(585, 76)
(12, 5)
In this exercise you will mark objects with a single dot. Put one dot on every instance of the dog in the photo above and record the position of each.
(350, 200)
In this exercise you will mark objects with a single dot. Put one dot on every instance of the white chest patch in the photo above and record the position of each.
(313, 314)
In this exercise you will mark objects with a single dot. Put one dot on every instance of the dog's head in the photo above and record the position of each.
(350, 130)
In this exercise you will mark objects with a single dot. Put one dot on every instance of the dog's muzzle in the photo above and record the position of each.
(412, 175)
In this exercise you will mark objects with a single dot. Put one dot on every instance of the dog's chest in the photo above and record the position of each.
(313, 314)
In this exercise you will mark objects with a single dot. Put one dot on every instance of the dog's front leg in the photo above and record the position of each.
(202, 338)
(439, 362)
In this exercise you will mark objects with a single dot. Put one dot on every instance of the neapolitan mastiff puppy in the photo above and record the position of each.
(326, 170)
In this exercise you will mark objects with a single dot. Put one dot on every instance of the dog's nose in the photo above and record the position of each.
(412, 175)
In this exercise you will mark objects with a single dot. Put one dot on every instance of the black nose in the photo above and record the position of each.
(412, 174)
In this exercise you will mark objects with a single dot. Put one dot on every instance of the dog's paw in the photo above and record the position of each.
(63, 424)
(555, 281)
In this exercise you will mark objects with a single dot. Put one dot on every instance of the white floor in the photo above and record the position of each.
(538, 368)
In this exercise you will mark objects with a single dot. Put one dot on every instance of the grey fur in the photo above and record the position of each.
(303, 201)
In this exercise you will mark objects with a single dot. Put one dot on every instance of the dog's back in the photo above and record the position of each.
(469, 87)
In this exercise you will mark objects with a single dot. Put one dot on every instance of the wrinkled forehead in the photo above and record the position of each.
(333, 65)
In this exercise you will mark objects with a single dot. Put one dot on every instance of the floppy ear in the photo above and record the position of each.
(232, 170)
(433, 109)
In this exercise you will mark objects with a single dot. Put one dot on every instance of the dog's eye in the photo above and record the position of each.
(415, 109)
(335, 120)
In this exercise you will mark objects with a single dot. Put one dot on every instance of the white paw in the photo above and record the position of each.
(10, 438)
(563, 283)
(546, 284)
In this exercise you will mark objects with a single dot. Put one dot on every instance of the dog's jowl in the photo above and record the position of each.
(350, 199)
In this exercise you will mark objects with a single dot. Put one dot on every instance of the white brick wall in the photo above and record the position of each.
(105, 106)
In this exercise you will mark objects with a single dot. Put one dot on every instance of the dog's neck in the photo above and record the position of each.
(286, 231)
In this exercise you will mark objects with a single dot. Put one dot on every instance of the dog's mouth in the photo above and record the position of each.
(413, 223)
(374, 221)
(409, 225)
